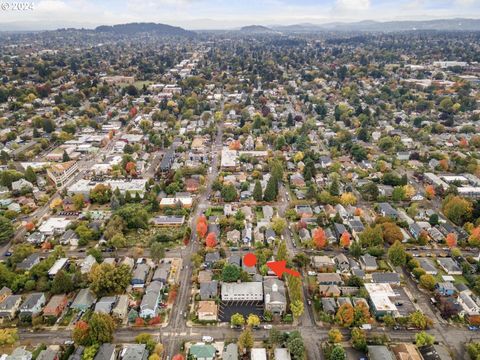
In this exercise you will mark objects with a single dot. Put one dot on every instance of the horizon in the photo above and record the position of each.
(229, 15)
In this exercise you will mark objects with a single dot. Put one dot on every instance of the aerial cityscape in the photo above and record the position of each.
(294, 185)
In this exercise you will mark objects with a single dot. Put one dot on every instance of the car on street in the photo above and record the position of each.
(207, 339)
(267, 327)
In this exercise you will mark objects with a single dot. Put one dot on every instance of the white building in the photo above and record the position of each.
(59, 174)
(247, 291)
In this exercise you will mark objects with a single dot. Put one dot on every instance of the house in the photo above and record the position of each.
(192, 185)
(204, 276)
(21, 184)
(106, 351)
(150, 300)
(329, 290)
(274, 295)
(4, 293)
(381, 296)
(60, 264)
(323, 263)
(162, 272)
(258, 354)
(10, 306)
(54, 226)
(168, 221)
(84, 300)
(69, 237)
(329, 279)
(415, 229)
(329, 305)
(105, 304)
(33, 304)
(140, 274)
(211, 258)
(445, 288)
(60, 174)
(338, 230)
(270, 236)
(386, 210)
(304, 235)
(252, 291)
(55, 306)
(87, 264)
(234, 236)
(469, 306)
(343, 300)
(368, 262)
(202, 351)
(428, 266)
(230, 352)
(450, 266)
(77, 354)
(29, 262)
(120, 310)
(434, 352)
(209, 290)
(267, 211)
(36, 238)
(282, 354)
(379, 352)
(391, 278)
(342, 263)
(207, 310)
(134, 352)
(48, 354)
(20, 354)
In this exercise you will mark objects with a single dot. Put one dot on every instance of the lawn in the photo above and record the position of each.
(138, 84)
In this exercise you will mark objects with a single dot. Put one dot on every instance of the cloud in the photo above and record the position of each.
(352, 5)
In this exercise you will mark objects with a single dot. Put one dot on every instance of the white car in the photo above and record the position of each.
(267, 327)
(312, 273)
(207, 339)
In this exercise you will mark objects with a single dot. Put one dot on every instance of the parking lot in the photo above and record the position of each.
(404, 305)
(228, 308)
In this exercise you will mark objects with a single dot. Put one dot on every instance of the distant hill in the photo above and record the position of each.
(388, 26)
(256, 29)
(134, 28)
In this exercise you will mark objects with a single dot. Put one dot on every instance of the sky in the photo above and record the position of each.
(226, 14)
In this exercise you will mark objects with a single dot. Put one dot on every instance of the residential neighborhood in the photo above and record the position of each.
(153, 184)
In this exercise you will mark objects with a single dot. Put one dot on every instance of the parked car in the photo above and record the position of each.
(267, 327)
(207, 339)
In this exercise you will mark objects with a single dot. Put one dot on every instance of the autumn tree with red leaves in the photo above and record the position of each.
(319, 238)
(345, 239)
(211, 240)
(451, 240)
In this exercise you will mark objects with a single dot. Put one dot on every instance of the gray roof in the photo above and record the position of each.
(135, 352)
(162, 272)
(141, 272)
(379, 352)
(369, 260)
(47, 354)
(328, 304)
(105, 352)
(231, 352)
(105, 304)
(386, 277)
(84, 298)
(9, 302)
(449, 264)
(29, 262)
(31, 301)
(212, 257)
(208, 290)
(20, 354)
(274, 290)
(387, 209)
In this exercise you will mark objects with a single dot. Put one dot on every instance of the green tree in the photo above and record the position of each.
(359, 339)
(296, 346)
(101, 328)
(30, 175)
(278, 225)
(146, 339)
(334, 187)
(134, 215)
(253, 320)
(62, 283)
(245, 340)
(157, 251)
(457, 209)
(230, 273)
(418, 320)
(257, 191)
(338, 353)
(8, 337)
(237, 319)
(229, 193)
(296, 307)
(6, 230)
(427, 281)
(107, 279)
(271, 190)
(101, 194)
(371, 236)
(282, 253)
(422, 339)
(397, 254)
(335, 336)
